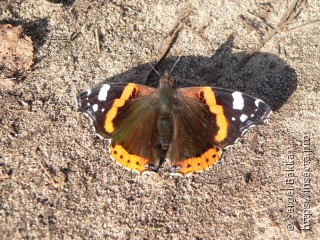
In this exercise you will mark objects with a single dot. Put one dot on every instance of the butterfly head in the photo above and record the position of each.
(166, 80)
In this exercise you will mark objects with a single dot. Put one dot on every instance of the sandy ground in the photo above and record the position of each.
(57, 181)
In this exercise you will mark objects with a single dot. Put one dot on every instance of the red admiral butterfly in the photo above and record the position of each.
(187, 126)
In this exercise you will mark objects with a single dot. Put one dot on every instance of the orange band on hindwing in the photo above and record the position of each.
(207, 95)
(127, 160)
(128, 92)
(199, 164)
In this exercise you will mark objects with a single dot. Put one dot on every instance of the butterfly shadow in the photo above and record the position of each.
(262, 75)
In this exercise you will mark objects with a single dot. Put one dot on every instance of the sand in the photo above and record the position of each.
(57, 181)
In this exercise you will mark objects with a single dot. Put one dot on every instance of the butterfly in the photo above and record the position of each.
(188, 127)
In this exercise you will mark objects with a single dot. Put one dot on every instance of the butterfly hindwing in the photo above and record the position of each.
(193, 148)
(133, 144)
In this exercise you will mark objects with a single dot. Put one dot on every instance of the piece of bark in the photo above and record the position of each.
(16, 51)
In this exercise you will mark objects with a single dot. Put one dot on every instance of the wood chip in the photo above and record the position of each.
(16, 50)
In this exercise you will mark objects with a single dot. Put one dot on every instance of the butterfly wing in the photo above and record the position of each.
(212, 118)
(192, 148)
(125, 114)
(234, 112)
(102, 103)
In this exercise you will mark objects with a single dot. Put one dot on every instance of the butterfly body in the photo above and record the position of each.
(188, 127)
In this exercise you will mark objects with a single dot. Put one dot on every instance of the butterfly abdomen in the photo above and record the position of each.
(165, 130)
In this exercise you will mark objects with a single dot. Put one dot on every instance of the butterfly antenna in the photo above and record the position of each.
(174, 65)
(154, 69)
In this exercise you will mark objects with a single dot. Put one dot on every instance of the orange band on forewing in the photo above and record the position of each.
(218, 110)
(198, 164)
(111, 114)
(126, 160)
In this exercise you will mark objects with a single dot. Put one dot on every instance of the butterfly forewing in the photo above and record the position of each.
(102, 103)
(234, 112)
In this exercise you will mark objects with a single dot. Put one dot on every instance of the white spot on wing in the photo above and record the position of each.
(238, 101)
(95, 107)
(252, 115)
(233, 119)
(88, 104)
(256, 102)
(243, 117)
(88, 92)
(104, 92)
